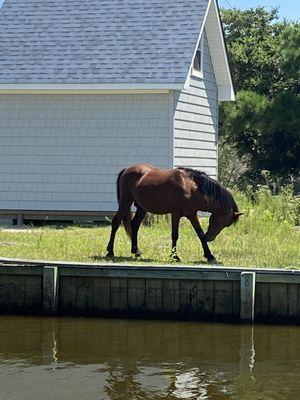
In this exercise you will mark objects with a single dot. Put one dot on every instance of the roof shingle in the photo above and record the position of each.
(98, 41)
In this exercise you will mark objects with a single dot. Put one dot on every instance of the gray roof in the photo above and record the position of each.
(98, 41)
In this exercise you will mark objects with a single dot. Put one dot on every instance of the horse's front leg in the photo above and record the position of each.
(175, 229)
(196, 225)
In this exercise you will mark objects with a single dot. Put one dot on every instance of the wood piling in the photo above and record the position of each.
(247, 310)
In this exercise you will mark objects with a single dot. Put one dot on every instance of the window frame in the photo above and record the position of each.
(196, 72)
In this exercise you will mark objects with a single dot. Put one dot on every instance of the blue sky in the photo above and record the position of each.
(287, 8)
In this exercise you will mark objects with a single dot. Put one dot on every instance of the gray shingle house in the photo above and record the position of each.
(89, 87)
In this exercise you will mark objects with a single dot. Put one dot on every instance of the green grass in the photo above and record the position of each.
(266, 236)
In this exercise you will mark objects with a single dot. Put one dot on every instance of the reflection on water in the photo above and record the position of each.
(68, 358)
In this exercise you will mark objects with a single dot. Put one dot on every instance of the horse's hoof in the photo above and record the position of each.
(212, 260)
(109, 256)
(136, 252)
(175, 259)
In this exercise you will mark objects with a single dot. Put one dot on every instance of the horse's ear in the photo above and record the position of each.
(238, 214)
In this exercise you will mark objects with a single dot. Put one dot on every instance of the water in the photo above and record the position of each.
(69, 358)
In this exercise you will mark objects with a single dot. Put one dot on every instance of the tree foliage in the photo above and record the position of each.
(263, 126)
(267, 131)
(290, 56)
(253, 39)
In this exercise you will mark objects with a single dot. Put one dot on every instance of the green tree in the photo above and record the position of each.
(290, 56)
(253, 40)
(265, 133)
(261, 130)
(281, 139)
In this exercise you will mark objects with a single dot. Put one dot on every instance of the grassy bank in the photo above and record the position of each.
(266, 236)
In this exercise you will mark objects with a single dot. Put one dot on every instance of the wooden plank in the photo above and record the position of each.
(236, 298)
(293, 300)
(205, 298)
(84, 293)
(228, 273)
(170, 292)
(149, 273)
(67, 293)
(188, 296)
(270, 277)
(247, 296)
(4, 292)
(118, 293)
(136, 294)
(102, 294)
(20, 270)
(154, 295)
(278, 300)
(50, 287)
(223, 298)
(16, 291)
(262, 300)
(33, 292)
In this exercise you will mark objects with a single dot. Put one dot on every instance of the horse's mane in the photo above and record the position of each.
(212, 188)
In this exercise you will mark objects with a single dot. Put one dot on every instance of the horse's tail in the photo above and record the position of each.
(127, 218)
(118, 184)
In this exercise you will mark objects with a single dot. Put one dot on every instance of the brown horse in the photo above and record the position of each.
(180, 191)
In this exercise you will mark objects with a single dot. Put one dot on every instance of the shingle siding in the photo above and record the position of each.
(196, 121)
(63, 152)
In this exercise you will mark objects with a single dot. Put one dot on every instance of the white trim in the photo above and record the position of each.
(232, 96)
(171, 127)
(198, 41)
(195, 72)
(225, 93)
(89, 88)
(83, 92)
(202, 49)
(218, 51)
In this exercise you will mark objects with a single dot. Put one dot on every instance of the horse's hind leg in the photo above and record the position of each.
(114, 227)
(135, 225)
(175, 229)
(123, 210)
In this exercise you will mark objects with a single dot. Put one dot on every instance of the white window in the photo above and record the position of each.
(197, 69)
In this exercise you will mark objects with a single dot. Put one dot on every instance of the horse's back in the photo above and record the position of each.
(156, 190)
(142, 169)
(131, 175)
(149, 175)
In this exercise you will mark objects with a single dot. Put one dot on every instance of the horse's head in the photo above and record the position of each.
(219, 221)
